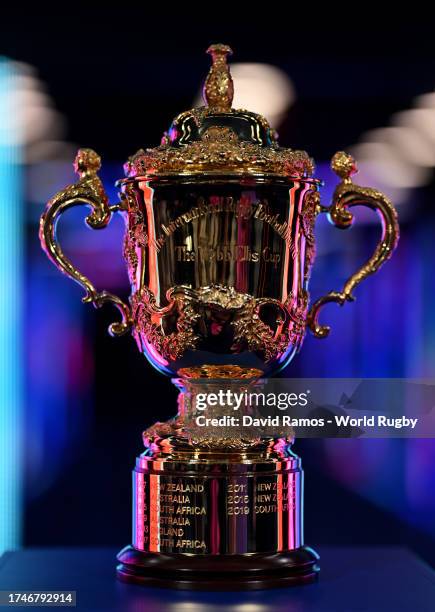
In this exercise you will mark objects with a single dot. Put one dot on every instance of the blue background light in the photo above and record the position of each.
(11, 362)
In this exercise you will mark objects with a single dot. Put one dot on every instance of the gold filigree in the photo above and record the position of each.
(225, 444)
(346, 196)
(148, 317)
(200, 113)
(219, 133)
(186, 308)
(251, 330)
(135, 234)
(225, 297)
(231, 372)
(179, 436)
(297, 307)
(257, 336)
(87, 190)
(168, 429)
(218, 87)
(226, 153)
(311, 208)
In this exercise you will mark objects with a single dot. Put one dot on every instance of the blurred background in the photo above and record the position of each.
(73, 401)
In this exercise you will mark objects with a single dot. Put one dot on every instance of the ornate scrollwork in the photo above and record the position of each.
(87, 190)
(220, 372)
(346, 196)
(297, 308)
(311, 208)
(257, 336)
(149, 321)
(135, 235)
(226, 153)
(186, 307)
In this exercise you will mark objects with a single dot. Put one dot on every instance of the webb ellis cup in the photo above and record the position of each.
(219, 246)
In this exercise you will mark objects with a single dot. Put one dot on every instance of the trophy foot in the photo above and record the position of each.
(233, 572)
(216, 511)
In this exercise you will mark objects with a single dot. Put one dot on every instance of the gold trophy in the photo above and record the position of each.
(219, 247)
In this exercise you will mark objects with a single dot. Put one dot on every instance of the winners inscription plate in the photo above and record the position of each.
(217, 513)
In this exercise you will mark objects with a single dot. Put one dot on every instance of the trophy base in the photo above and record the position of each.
(234, 572)
(215, 511)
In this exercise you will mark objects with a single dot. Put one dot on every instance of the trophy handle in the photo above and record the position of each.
(87, 190)
(347, 195)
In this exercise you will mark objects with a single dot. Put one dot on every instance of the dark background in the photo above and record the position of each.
(118, 76)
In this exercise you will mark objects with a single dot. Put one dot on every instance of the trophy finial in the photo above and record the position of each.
(218, 87)
(344, 165)
(87, 163)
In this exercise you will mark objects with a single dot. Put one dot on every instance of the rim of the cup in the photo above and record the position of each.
(218, 177)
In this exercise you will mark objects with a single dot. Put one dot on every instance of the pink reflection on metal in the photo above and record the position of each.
(152, 263)
(139, 484)
(154, 513)
(215, 535)
(245, 210)
(154, 356)
(288, 248)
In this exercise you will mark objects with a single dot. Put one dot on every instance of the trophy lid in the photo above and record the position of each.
(217, 139)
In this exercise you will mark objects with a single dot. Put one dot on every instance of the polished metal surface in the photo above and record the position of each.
(219, 269)
(227, 504)
(220, 237)
(219, 247)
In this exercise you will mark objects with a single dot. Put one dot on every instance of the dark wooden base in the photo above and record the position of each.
(218, 572)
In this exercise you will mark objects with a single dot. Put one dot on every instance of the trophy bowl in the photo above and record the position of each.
(219, 247)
